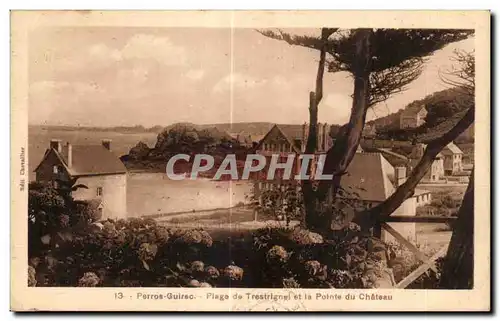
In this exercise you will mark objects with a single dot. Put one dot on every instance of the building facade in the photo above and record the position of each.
(412, 117)
(452, 159)
(94, 166)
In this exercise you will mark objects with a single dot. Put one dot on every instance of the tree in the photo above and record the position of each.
(379, 71)
(458, 270)
(463, 75)
(281, 204)
(443, 110)
(51, 211)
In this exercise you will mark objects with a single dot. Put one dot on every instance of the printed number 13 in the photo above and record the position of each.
(119, 295)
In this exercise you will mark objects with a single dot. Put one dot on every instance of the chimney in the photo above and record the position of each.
(400, 173)
(56, 144)
(69, 150)
(107, 144)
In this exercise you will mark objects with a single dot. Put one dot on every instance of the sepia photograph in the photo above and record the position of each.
(287, 157)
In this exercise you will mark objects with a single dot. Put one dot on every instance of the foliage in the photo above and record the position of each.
(348, 259)
(188, 139)
(283, 204)
(51, 212)
(390, 71)
(139, 252)
(440, 111)
(462, 76)
(444, 109)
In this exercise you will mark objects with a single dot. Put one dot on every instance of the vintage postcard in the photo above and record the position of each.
(250, 161)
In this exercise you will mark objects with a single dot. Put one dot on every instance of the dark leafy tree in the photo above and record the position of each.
(458, 269)
(462, 76)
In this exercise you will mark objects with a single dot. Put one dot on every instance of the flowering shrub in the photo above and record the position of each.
(277, 254)
(141, 253)
(89, 279)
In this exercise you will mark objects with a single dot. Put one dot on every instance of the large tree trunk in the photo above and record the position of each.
(341, 154)
(307, 188)
(458, 270)
(311, 145)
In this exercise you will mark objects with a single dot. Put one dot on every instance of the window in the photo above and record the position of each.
(55, 169)
(99, 191)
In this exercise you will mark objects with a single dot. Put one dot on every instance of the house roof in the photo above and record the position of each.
(89, 160)
(451, 148)
(368, 178)
(288, 132)
(292, 131)
(93, 160)
(256, 138)
(412, 110)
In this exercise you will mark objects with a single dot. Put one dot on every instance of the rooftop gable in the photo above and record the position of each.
(451, 148)
(413, 110)
(88, 160)
(277, 129)
(367, 178)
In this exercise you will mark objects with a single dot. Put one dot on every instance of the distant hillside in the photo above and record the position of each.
(117, 129)
(389, 124)
(249, 128)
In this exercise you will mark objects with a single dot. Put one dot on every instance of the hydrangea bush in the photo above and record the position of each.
(137, 252)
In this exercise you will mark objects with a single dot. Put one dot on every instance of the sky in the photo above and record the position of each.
(126, 76)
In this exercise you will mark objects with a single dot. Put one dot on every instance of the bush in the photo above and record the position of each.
(68, 249)
(140, 252)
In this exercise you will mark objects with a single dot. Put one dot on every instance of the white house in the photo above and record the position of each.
(412, 117)
(370, 179)
(96, 167)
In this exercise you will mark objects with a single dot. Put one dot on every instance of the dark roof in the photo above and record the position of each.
(292, 131)
(451, 148)
(88, 160)
(290, 138)
(93, 160)
(368, 178)
(256, 138)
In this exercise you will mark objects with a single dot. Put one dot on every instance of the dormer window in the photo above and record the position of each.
(55, 169)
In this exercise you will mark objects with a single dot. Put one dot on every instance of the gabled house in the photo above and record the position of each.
(410, 156)
(435, 172)
(452, 159)
(369, 180)
(96, 167)
(412, 117)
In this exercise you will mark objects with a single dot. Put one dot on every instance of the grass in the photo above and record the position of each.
(227, 216)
